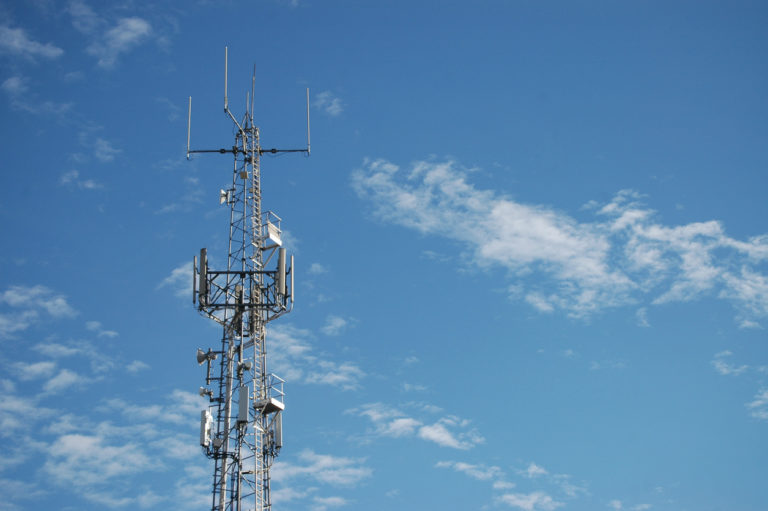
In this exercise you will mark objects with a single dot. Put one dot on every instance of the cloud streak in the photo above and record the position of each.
(90, 457)
(24, 305)
(15, 41)
(123, 37)
(758, 407)
(323, 468)
(294, 358)
(724, 368)
(534, 501)
(557, 263)
(328, 103)
(447, 431)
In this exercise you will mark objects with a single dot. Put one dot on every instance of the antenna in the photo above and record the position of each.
(189, 124)
(241, 431)
(253, 88)
(307, 120)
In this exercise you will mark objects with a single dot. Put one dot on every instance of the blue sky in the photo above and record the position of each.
(531, 250)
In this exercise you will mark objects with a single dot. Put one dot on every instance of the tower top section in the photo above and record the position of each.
(246, 123)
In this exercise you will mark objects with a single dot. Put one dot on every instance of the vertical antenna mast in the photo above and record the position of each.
(241, 430)
(189, 123)
(190, 106)
(226, 58)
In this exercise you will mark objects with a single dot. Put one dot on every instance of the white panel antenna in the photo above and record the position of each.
(281, 271)
(206, 426)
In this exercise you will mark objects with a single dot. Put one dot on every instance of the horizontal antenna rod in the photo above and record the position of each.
(236, 151)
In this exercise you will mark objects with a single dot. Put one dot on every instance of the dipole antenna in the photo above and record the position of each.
(241, 429)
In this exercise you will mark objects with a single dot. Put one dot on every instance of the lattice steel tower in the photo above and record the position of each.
(241, 430)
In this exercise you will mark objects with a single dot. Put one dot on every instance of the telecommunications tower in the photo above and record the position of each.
(241, 430)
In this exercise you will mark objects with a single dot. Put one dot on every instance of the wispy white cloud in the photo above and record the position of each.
(558, 484)
(290, 493)
(323, 503)
(39, 297)
(323, 468)
(105, 461)
(179, 280)
(534, 470)
(15, 85)
(56, 350)
(72, 178)
(294, 358)
(18, 91)
(758, 407)
(86, 460)
(84, 19)
(192, 195)
(334, 325)
(596, 365)
(65, 379)
(557, 263)
(344, 375)
(15, 490)
(750, 289)
(25, 304)
(618, 504)
(127, 34)
(567, 486)
(104, 151)
(477, 471)
(15, 41)
(535, 501)
(412, 387)
(173, 109)
(328, 103)
(100, 362)
(91, 457)
(95, 326)
(722, 366)
(16, 321)
(34, 370)
(18, 412)
(443, 433)
(178, 409)
(389, 421)
(317, 269)
(642, 317)
(136, 366)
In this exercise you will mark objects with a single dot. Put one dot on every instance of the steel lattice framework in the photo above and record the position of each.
(241, 431)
